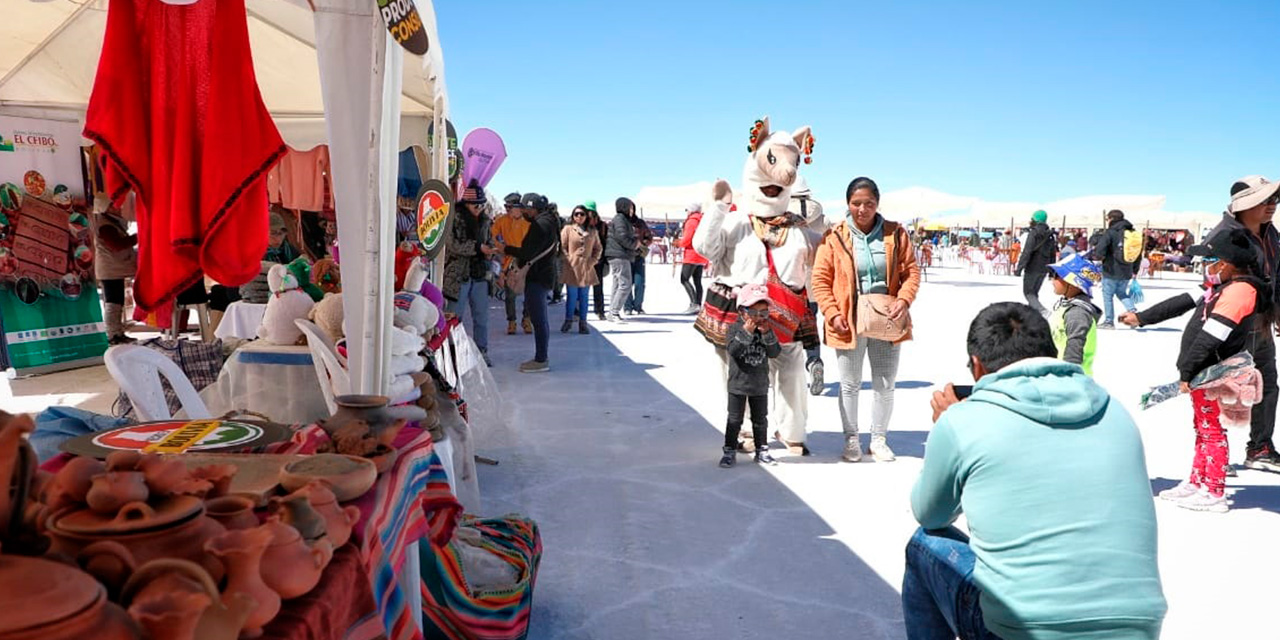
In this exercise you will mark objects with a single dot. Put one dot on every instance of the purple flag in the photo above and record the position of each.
(484, 153)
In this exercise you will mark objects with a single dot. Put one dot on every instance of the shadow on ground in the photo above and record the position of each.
(644, 535)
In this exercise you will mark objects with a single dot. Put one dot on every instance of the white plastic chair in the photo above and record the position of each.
(330, 370)
(137, 371)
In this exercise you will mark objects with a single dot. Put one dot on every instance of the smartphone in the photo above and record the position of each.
(963, 390)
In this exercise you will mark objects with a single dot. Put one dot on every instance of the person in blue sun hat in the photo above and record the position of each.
(1074, 320)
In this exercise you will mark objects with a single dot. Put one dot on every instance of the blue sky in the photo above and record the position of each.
(1024, 101)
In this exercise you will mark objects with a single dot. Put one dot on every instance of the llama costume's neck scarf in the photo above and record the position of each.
(177, 114)
(773, 231)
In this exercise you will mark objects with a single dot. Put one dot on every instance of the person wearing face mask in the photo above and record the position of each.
(1253, 205)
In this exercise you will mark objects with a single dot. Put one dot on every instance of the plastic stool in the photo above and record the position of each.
(202, 314)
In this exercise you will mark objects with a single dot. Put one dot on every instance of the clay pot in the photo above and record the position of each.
(242, 551)
(218, 475)
(177, 599)
(338, 520)
(112, 490)
(45, 600)
(71, 484)
(110, 563)
(17, 466)
(367, 408)
(383, 458)
(168, 476)
(349, 477)
(291, 567)
(296, 511)
(124, 460)
(234, 512)
(175, 527)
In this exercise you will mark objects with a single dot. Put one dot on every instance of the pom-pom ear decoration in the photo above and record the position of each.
(757, 136)
(809, 140)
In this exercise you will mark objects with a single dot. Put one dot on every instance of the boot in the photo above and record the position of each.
(564, 328)
(511, 327)
(114, 319)
(729, 458)
(528, 325)
(582, 326)
(763, 457)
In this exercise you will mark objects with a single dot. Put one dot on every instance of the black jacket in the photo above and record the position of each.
(622, 241)
(1269, 245)
(1110, 252)
(1041, 249)
(749, 355)
(542, 235)
(1201, 348)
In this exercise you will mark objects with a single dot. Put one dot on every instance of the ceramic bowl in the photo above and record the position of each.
(348, 477)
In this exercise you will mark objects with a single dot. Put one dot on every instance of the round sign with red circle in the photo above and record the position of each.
(225, 435)
(435, 203)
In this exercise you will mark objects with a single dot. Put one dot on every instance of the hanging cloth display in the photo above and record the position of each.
(177, 113)
(303, 175)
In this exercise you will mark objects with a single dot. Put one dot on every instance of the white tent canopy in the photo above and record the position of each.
(49, 56)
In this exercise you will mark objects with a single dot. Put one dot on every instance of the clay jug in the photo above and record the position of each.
(198, 611)
(291, 567)
(234, 512)
(217, 475)
(71, 484)
(296, 511)
(110, 562)
(112, 490)
(370, 409)
(17, 465)
(338, 520)
(241, 552)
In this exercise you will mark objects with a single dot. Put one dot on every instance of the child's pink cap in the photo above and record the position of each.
(749, 294)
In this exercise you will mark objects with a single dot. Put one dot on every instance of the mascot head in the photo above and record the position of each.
(772, 167)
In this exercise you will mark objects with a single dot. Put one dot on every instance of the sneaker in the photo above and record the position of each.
(763, 457)
(613, 317)
(487, 361)
(511, 327)
(564, 328)
(1184, 489)
(1202, 501)
(528, 325)
(880, 449)
(852, 449)
(816, 381)
(1106, 325)
(1264, 459)
(729, 458)
(639, 311)
(693, 310)
(583, 329)
(601, 317)
(533, 366)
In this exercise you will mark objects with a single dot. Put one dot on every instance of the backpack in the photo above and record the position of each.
(1132, 246)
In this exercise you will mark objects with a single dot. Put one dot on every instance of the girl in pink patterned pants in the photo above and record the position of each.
(1209, 468)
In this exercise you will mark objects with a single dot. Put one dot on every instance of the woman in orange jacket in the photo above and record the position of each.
(886, 264)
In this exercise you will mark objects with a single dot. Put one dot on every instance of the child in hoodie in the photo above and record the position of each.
(751, 343)
(1075, 318)
(1221, 326)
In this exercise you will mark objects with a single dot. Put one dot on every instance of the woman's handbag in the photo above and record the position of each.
(514, 277)
(871, 310)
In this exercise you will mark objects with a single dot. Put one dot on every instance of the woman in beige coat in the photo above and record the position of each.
(579, 251)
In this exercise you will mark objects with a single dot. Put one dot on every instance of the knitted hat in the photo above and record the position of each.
(534, 201)
(473, 194)
(1077, 272)
(590, 205)
(1040, 216)
(749, 294)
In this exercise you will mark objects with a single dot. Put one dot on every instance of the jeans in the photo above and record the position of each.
(510, 304)
(535, 300)
(620, 270)
(1262, 420)
(691, 280)
(814, 354)
(737, 412)
(1031, 282)
(1120, 289)
(575, 302)
(597, 291)
(884, 374)
(636, 303)
(939, 596)
(475, 295)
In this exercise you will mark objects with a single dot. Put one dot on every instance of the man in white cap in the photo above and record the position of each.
(1253, 205)
(810, 210)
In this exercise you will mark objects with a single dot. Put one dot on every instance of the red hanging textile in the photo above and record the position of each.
(177, 113)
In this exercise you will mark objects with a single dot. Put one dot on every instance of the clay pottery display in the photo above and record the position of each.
(17, 466)
(112, 490)
(383, 458)
(147, 594)
(290, 566)
(296, 511)
(109, 562)
(175, 527)
(124, 460)
(71, 484)
(241, 552)
(234, 512)
(348, 477)
(168, 476)
(372, 410)
(338, 519)
(218, 475)
(46, 600)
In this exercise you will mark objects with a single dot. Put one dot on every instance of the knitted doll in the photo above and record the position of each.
(287, 303)
(326, 275)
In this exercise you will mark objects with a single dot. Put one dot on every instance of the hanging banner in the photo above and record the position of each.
(435, 203)
(405, 25)
(482, 152)
(49, 304)
(451, 140)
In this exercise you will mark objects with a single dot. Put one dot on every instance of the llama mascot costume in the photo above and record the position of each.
(755, 241)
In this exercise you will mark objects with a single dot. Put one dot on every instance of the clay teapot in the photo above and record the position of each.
(234, 512)
(114, 489)
(175, 527)
(46, 600)
(17, 468)
(297, 511)
(290, 567)
(177, 600)
(242, 553)
(338, 520)
(71, 484)
(353, 410)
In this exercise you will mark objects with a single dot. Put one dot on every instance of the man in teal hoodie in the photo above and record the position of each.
(1050, 475)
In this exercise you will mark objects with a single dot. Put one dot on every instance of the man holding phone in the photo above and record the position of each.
(1051, 477)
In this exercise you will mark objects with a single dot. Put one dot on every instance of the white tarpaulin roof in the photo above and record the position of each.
(49, 56)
